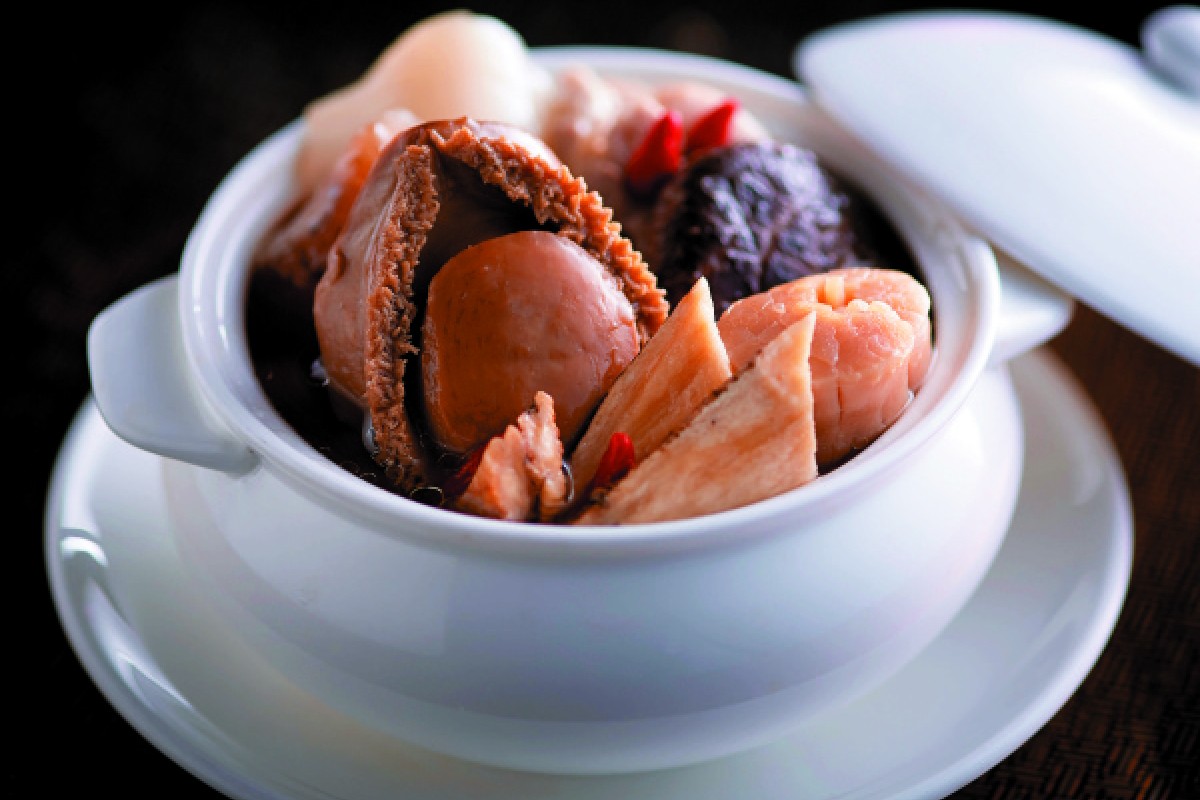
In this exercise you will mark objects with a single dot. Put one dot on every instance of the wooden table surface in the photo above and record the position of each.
(133, 132)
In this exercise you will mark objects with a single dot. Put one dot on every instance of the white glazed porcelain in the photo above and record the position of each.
(1077, 154)
(575, 649)
(146, 633)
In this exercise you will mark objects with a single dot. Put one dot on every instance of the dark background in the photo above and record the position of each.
(120, 126)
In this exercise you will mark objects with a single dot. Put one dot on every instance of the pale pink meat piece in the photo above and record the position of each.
(595, 123)
(520, 474)
(692, 100)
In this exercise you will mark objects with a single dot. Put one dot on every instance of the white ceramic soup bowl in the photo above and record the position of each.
(577, 649)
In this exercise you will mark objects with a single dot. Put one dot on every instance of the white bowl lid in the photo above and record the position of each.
(1077, 155)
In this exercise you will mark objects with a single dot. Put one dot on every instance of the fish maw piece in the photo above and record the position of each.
(520, 475)
(860, 357)
(754, 440)
(747, 325)
(871, 348)
(678, 370)
(753, 322)
(907, 296)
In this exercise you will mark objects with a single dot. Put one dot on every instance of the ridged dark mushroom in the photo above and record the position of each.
(749, 217)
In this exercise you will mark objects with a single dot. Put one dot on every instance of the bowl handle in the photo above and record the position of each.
(140, 382)
(1032, 311)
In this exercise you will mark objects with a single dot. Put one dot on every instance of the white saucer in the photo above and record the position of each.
(997, 674)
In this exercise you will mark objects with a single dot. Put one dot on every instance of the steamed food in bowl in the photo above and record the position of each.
(501, 439)
(579, 300)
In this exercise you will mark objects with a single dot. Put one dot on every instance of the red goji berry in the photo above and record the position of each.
(713, 129)
(617, 461)
(657, 157)
(456, 484)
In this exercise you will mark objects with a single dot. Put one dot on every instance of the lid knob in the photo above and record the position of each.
(1171, 39)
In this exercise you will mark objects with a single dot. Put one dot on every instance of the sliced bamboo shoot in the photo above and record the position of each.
(678, 370)
(754, 440)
